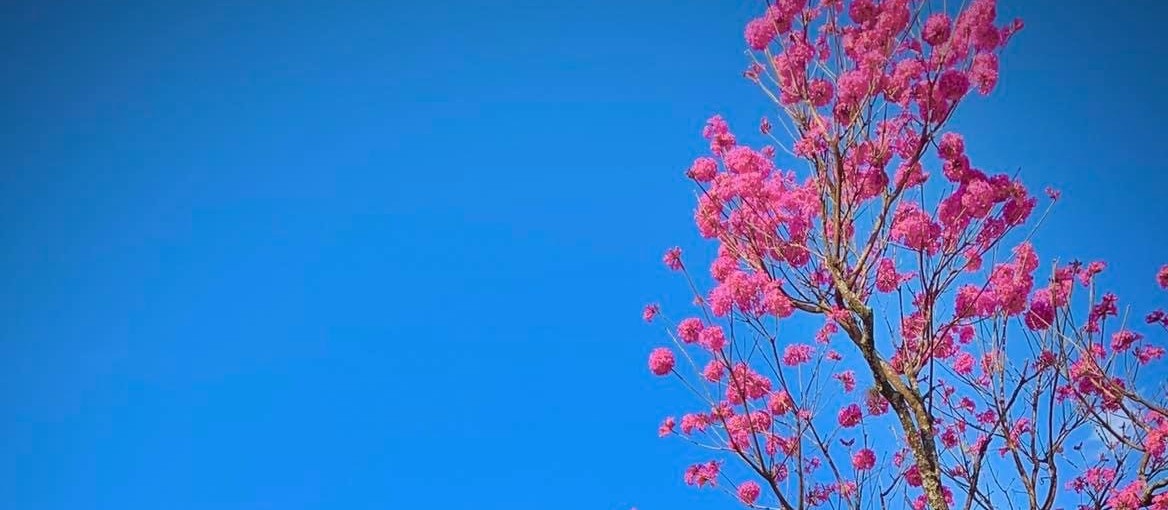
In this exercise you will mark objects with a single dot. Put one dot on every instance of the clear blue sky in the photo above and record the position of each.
(346, 255)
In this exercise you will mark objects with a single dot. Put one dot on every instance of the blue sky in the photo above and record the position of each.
(393, 254)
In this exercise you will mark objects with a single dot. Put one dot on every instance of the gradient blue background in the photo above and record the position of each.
(393, 254)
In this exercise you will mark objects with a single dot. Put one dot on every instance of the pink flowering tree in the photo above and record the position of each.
(875, 330)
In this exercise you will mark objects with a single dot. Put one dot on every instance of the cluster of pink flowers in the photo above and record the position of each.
(797, 354)
(1156, 437)
(864, 459)
(915, 229)
(650, 312)
(921, 503)
(780, 403)
(712, 338)
(1007, 290)
(661, 361)
(876, 404)
(703, 474)
(666, 427)
(847, 378)
(748, 492)
(1130, 497)
(887, 279)
(850, 416)
(714, 370)
(1096, 479)
(746, 384)
(754, 294)
(689, 329)
(672, 258)
(868, 87)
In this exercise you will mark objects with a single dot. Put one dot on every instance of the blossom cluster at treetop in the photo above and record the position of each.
(876, 330)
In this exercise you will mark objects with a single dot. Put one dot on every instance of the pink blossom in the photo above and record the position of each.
(820, 493)
(1129, 498)
(708, 216)
(760, 32)
(1148, 353)
(780, 403)
(1156, 440)
(742, 428)
(714, 370)
(787, 445)
(922, 501)
(692, 422)
(914, 228)
(950, 437)
(811, 143)
(703, 169)
(689, 329)
(963, 364)
(905, 76)
(776, 302)
(823, 336)
(797, 354)
(848, 379)
(1157, 317)
(820, 92)
(978, 198)
(702, 474)
(650, 311)
(974, 301)
(718, 133)
(743, 160)
(853, 86)
(666, 427)
(864, 459)
(863, 10)
(672, 258)
(984, 72)
(1093, 269)
(953, 84)
(957, 168)
(912, 476)
(661, 361)
(753, 71)
(1162, 277)
(781, 472)
(1105, 308)
(712, 338)
(850, 416)
(1095, 479)
(937, 29)
(746, 384)
(723, 266)
(910, 175)
(1121, 340)
(847, 489)
(748, 492)
(738, 290)
(715, 126)
(952, 145)
(898, 458)
(876, 404)
(1041, 314)
(887, 279)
